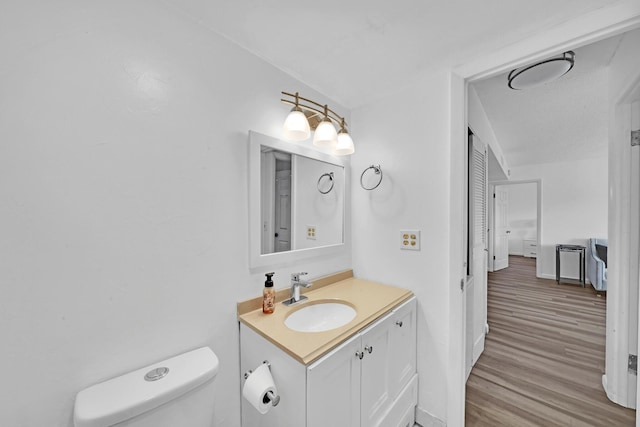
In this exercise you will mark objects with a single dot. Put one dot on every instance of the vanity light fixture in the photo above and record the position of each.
(541, 72)
(307, 115)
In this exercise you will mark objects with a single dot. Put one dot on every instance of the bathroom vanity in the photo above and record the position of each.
(360, 374)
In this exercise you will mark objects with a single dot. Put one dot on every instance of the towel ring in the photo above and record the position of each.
(378, 171)
(330, 176)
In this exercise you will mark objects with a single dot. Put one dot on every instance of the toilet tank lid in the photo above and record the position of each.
(129, 395)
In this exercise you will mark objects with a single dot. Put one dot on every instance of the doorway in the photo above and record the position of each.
(515, 219)
(614, 21)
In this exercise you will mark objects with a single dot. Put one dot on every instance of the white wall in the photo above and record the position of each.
(574, 206)
(522, 215)
(123, 180)
(480, 125)
(410, 145)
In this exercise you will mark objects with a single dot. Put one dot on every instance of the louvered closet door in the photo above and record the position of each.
(478, 239)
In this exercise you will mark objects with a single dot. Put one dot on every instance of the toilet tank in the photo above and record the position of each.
(175, 392)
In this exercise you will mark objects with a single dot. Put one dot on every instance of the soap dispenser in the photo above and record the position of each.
(268, 295)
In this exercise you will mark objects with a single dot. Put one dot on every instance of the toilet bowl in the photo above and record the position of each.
(175, 392)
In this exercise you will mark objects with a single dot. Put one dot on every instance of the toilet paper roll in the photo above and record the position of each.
(256, 387)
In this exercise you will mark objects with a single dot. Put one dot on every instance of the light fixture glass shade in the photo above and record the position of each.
(325, 134)
(296, 126)
(541, 72)
(345, 144)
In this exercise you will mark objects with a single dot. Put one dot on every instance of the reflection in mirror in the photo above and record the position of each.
(301, 201)
(326, 183)
(296, 202)
(275, 195)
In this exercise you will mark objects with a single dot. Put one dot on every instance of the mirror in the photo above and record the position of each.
(296, 201)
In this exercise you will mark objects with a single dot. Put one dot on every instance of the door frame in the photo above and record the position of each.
(538, 183)
(619, 341)
(635, 100)
(583, 30)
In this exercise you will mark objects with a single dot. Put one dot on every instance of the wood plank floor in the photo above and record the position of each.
(544, 355)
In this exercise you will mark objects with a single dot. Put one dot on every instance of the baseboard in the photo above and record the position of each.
(478, 347)
(604, 385)
(425, 419)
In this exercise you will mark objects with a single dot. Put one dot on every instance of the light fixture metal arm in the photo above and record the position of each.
(323, 110)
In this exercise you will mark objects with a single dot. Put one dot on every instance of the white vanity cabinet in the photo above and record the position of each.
(530, 248)
(333, 387)
(368, 380)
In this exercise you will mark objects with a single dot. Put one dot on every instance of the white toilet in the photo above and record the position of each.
(174, 392)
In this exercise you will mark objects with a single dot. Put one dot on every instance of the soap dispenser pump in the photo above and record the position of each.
(268, 295)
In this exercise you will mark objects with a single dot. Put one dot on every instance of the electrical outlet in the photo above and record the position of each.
(311, 232)
(410, 240)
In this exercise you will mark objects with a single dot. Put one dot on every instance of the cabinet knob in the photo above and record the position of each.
(369, 349)
(399, 323)
(359, 354)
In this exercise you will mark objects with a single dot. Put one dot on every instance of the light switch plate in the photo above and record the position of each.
(410, 240)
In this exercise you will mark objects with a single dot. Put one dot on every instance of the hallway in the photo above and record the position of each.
(544, 355)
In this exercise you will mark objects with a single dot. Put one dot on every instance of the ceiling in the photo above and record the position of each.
(354, 51)
(561, 120)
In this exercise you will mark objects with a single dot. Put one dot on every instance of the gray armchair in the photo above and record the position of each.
(597, 263)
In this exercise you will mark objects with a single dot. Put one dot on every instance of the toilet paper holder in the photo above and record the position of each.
(270, 396)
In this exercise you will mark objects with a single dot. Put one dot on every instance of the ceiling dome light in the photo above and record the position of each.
(296, 126)
(541, 72)
(325, 134)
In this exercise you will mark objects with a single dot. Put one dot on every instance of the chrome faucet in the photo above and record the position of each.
(296, 282)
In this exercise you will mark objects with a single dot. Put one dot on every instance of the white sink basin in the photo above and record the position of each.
(320, 316)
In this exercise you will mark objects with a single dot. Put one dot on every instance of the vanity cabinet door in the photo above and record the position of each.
(402, 355)
(333, 387)
(376, 376)
(358, 383)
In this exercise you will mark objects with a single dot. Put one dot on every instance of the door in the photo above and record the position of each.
(283, 211)
(468, 319)
(500, 227)
(477, 297)
(634, 252)
(267, 201)
(333, 387)
(635, 126)
(402, 352)
(375, 376)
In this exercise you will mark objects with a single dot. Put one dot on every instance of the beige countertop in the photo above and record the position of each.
(371, 300)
